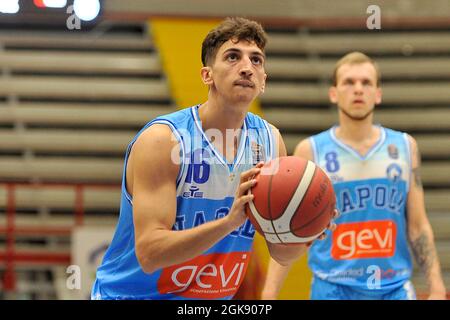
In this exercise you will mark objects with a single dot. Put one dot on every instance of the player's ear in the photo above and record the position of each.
(332, 94)
(206, 74)
(378, 95)
(263, 85)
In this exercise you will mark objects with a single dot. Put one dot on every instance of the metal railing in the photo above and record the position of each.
(10, 257)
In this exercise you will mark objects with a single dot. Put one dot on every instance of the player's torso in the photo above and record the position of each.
(369, 246)
(206, 193)
(206, 185)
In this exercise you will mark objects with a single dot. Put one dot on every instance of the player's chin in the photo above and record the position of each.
(246, 98)
(245, 90)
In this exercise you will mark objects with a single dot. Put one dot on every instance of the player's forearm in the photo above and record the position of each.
(425, 253)
(167, 247)
(276, 275)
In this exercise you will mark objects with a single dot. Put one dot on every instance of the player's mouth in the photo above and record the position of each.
(244, 83)
(358, 101)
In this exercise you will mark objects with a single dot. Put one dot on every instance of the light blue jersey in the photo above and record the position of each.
(206, 185)
(369, 249)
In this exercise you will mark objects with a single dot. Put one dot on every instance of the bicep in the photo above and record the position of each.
(154, 181)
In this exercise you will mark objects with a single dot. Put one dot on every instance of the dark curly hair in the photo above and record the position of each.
(235, 28)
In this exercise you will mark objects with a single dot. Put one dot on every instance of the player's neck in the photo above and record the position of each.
(229, 121)
(219, 116)
(356, 132)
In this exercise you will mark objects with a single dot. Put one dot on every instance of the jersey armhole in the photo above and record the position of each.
(130, 146)
(314, 150)
(409, 158)
(272, 151)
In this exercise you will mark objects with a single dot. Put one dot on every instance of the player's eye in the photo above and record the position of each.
(257, 60)
(232, 57)
(348, 82)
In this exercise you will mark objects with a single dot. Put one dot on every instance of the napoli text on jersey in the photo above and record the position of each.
(206, 185)
(368, 250)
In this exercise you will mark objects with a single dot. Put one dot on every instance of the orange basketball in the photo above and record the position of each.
(294, 201)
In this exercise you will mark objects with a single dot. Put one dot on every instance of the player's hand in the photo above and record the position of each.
(237, 214)
(286, 254)
(331, 227)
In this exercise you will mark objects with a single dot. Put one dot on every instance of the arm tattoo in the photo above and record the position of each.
(417, 178)
(423, 252)
(416, 171)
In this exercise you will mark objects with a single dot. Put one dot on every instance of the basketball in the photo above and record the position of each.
(293, 202)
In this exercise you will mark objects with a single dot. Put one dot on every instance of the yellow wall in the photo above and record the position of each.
(178, 42)
(297, 284)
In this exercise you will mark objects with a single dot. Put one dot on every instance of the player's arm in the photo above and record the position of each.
(153, 186)
(420, 233)
(276, 272)
(304, 150)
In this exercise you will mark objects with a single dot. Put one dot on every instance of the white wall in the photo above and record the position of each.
(283, 8)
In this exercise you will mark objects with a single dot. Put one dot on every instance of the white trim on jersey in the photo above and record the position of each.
(353, 151)
(241, 147)
(124, 183)
(271, 140)
(408, 151)
(410, 292)
(180, 140)
(183, 153)
(314, 148)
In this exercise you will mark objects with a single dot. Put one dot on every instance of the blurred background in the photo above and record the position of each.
(79, 78)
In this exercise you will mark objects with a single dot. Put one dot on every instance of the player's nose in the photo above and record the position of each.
(246, 67)
(358, 87)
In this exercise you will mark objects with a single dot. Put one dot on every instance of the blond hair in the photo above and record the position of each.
(355, 58)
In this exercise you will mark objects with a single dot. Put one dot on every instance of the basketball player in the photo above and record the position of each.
(182, 231)
(376, 177)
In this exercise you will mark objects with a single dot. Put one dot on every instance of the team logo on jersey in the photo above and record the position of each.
(209, 276)
(257, 152)
(393, 151)
(193, 193)
(394, 172)
(369, 239)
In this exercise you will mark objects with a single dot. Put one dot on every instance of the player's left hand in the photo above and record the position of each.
(331, 227)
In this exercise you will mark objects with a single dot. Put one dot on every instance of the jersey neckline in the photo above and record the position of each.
(217, 154)
(353, 151)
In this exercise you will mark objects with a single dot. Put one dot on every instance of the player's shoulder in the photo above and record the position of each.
(307, 146)
(164, 132)
(176, 118)
(321, 138)
(397, 134)
(389, 132)
(156, 151)
(157, 137)
(166, 128)
(304, 149)
(256, 121)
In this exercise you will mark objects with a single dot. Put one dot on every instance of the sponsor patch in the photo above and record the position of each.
(209, 276)
(370, 239)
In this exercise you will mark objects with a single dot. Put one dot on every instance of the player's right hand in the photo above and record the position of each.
(237, 214)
